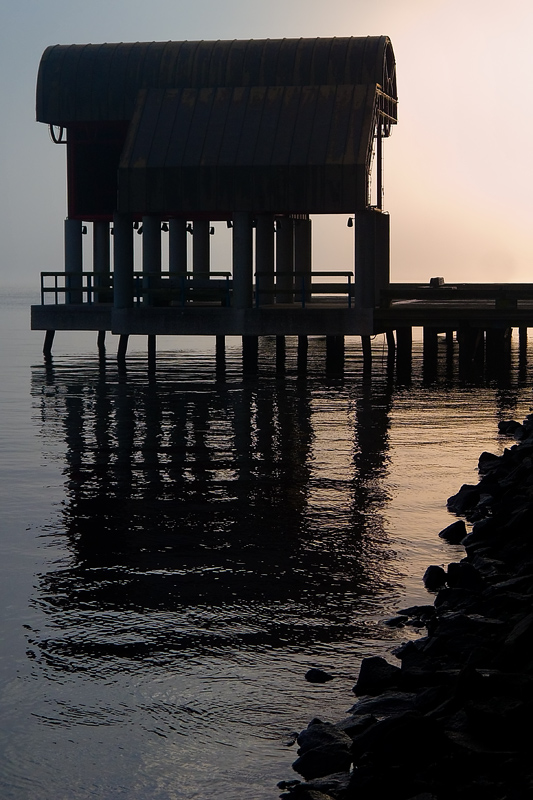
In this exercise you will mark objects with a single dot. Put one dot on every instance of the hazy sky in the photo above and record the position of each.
(458, 166)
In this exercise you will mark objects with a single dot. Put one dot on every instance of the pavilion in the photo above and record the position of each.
(167, 138)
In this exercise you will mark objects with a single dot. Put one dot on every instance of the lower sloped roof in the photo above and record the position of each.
(259, 148)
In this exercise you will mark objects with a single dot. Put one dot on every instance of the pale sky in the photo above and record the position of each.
(458, 166)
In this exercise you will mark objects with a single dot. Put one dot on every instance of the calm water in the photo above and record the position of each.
(177, 552)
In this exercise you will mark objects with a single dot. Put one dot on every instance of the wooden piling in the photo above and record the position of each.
(48, 342)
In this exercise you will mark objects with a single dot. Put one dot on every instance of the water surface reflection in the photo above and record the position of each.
(218, 537)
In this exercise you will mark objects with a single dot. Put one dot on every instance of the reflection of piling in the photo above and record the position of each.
(404, 346)
(100, 343)
(334, 354)
(280, 355)
(151, 354)
(121, 352)
(250, 350)
(498, 350)
(220, 355)
(366, 344)
(471, 352)
(303, 346)
(430, 353)
(522, 348)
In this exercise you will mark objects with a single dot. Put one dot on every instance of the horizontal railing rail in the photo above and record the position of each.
(503, 294)
(300, 284)
(73, 287)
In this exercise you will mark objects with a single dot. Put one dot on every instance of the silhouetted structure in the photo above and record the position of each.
(175, 135)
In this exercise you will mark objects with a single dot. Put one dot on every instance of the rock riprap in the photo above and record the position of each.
(453, 720)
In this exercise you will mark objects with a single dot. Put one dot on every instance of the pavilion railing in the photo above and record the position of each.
(181, 288)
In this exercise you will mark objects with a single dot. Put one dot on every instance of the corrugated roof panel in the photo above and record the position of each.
(251, 126)
(235, 62)
(285, 63)
(201, 64)
(319, 65)
(167, 110)
(180, 129)
(265, 143)
(319, 138)
(339, 125)
(233, 127)
(184, 65)
(217, 124)
(303, 125)
(269, 62)
(217, 64)
(192, 153)
(65, 92)
(336, 68)
(285, 131)
(117, 87)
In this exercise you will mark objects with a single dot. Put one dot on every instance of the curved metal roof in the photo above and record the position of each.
(101, 82)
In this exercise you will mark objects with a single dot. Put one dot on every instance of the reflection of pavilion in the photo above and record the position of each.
(259, 134)
(208, 500)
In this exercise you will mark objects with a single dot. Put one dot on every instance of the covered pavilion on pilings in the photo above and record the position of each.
(173, 136)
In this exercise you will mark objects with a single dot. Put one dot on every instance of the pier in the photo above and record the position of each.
(167, 139)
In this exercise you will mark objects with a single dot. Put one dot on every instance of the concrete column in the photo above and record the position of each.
(102, 261)
(151, 249)
(177, 245)
(284, 259)
(200, 245)
(302, 258)
(123, 260)
(264, 258)
(73, 259)
(242, 260)
(372, 257)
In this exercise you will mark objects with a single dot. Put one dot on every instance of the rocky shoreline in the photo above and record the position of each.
(454, 720)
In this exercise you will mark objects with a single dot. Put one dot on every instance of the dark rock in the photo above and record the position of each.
(355, 724)
(330, 785)
(463, 575)
(454, 533)
(324, 760)
(375, 675)
(508, 427)
(315, 675)
(467, 497)
(400, 737)
(319, 734)
(487, 462)
(434, 578)
(384, 705)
